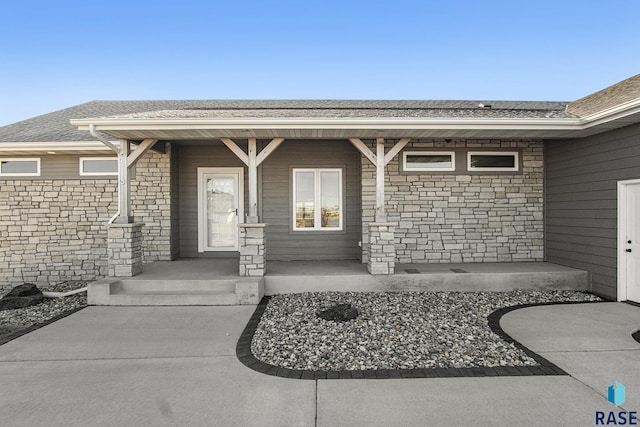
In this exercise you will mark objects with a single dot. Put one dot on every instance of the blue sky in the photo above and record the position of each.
(57, 54)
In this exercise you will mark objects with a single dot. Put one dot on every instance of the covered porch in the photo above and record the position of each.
(401, 218)
(199, 281)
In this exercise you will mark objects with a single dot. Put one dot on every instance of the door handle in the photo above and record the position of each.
(628, 250)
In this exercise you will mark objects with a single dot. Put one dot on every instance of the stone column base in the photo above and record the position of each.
(382, 252)
(252, 250)
(124, 249)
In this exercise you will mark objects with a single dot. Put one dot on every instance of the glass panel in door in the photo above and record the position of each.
(221, 210)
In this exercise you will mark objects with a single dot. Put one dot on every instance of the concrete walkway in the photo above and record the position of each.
(108, 366)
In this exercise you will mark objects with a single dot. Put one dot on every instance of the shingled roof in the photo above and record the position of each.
(618, 94)
(55, 126)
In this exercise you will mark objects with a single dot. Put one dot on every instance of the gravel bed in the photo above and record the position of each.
(394, 330)
(14, 320)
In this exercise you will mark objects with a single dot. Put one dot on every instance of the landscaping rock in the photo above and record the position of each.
(21, 296)
(339, 313)
(393, 330)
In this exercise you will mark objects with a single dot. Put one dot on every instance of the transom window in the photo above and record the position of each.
(98, 166)
(429, 161)
(20, 167)
(317, 199)
(492, 161)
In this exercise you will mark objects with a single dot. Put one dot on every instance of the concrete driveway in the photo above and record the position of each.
(177, 366)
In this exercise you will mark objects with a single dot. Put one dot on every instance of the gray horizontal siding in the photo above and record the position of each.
(275, 209)
(285, 244)
(581, 201)
(54, 166)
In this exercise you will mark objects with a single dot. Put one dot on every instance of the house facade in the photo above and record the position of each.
(103, 188)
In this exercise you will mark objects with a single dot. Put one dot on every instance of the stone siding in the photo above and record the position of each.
(462, 216)
(52, 230)
(381, 248)
(151, 205)
(252, 250)
(124, 249)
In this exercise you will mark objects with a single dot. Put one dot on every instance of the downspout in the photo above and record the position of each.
(92, 131)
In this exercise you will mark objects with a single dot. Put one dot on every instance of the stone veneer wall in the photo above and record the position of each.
(151, 205)
(461, 216)
(52, 230)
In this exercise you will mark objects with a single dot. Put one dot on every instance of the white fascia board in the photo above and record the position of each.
(323, 123)
(611, 114)
(55, 146)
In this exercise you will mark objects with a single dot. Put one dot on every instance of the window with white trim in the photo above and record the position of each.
(493, 161)
(98, 166)
(317, 199)
(425, 161)
(19, 167)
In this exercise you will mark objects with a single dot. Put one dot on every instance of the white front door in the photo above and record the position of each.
(220, 207)
(630, 240)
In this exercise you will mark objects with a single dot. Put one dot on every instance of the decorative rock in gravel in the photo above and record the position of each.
(24, 295)
(339, 313)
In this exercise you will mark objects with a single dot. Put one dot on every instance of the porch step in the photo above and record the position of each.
(174, 297)
(154, 292)
(158, 285)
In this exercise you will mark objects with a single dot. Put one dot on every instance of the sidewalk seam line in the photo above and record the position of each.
(117, 358)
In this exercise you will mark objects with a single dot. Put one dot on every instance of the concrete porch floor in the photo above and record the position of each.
(300, 276)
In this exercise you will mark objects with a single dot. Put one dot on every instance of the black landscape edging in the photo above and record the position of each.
(244, 354)
(17, 334)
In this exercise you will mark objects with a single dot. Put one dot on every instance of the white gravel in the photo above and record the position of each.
(20, 318)
(399, 330)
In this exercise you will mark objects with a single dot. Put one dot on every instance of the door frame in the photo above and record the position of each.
(623, 191)
(202, 205)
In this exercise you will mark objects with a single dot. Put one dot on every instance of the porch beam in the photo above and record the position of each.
(395, 150)
(231, 145)
(362, 147)
(253, 181)
(266, 151)
(139, 151)
(124, 184)
(380, 164)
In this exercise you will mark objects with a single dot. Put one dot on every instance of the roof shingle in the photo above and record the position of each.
(55, 126)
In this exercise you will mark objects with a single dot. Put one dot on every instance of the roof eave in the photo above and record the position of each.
(390, 127)
(316, 123)
(69, 147)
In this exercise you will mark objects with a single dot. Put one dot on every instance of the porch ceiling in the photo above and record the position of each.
(365, 128)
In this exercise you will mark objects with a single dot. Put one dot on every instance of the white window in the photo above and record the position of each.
(429, 161)
(20, 167)
(98, 166)
(492, 161)
(317, 199)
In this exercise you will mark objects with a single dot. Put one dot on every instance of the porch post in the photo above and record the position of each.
(252, 218)
(252, 244)
(124, 184)
(124, 237)
(380, 213)
(380, 250)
